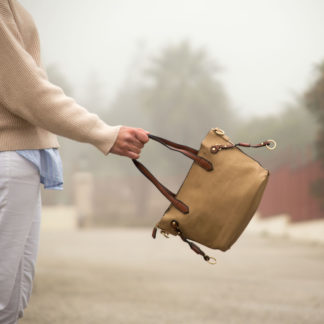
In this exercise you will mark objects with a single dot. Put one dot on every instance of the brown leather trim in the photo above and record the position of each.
(192, 245)
(218, 147)
(154, 232)
(186, 150)
(173, 144)
(178, 204)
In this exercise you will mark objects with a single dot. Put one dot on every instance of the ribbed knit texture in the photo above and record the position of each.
(32, 109)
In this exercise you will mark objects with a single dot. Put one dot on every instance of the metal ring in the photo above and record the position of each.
(212, 260)
(219, 131)
(274, 144)
(166, 235)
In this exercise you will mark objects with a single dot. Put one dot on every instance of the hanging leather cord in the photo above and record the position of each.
(192, 245)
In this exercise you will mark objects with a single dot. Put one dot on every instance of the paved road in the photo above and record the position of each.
(124, 276)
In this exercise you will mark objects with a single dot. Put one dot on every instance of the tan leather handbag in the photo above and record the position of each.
(219, 195)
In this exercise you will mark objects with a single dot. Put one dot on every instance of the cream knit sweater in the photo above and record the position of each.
(32, 109)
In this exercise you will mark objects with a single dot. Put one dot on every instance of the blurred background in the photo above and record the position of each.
(177, 68)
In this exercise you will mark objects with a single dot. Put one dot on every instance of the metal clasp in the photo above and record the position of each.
(212, 260)
(272, 145)
(165, 234)
(219, 131)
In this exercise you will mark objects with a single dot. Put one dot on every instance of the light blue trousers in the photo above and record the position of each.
(20, 214)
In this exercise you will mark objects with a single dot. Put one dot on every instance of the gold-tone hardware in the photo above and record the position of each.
(212, 260)
(273, 146)
(166, 235)
(219, 131)
(174, 224)
(214, 149)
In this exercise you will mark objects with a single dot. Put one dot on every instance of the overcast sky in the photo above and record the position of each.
(267, 48)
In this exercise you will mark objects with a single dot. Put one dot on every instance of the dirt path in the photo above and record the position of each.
(123, 276)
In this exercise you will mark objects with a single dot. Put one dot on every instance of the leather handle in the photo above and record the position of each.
(165, 191)
(172, 144)
(186, 150)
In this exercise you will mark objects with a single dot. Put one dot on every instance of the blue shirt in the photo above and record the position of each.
(49, 164)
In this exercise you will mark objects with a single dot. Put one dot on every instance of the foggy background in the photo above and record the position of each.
(266, 49)
(177, 68)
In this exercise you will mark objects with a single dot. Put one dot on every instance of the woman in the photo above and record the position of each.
(32, 110)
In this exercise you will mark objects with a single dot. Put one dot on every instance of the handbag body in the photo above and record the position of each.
(219, 195)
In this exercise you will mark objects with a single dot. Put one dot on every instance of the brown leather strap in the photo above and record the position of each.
(186, 150)
(216, 148)
(172, 144)
(165, 191)
(154, 232)
(192, 245)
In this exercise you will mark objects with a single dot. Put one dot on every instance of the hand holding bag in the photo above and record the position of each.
(219, 195)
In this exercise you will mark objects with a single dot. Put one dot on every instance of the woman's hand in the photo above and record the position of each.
(130, 141)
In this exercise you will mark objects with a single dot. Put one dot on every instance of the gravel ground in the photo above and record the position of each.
(124, 276)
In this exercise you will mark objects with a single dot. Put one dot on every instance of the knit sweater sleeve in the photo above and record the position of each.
(26, 92)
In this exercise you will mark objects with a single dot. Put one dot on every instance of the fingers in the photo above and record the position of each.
(132, 155)
(134, 149)
(130, 141)
(138, 144)
(131, 152)
(142, 135)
